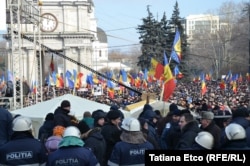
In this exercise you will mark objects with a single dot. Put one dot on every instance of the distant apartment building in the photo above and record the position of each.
(202, 23)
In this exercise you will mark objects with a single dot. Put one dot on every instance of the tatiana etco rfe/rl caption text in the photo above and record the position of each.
(197, 157)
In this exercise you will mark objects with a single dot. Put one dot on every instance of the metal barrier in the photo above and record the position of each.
(7, 103)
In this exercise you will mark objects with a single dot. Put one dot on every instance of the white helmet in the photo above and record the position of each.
(21, 124)
(72, 131)
(205, 139)
(131, 124)
(235, 131)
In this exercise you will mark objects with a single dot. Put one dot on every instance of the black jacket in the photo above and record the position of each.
(97, 144)
(188, 134)
(46, 130)
(62, 118)
(111, 135)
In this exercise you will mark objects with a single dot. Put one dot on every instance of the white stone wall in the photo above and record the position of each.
(75, 36)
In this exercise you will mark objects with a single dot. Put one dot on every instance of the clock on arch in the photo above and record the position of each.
(48, 22)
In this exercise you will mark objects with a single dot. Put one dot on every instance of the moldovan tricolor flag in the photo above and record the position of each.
(203, 87)
(234, 86)
(169, 83)
(176, 50)
(222, 84)
(156, 70)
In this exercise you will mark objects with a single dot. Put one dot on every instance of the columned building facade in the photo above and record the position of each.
(69, 27)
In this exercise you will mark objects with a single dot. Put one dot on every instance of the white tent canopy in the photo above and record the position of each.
(163, 107)
(79, 105)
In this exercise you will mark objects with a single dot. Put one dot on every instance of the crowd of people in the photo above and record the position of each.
(218, 120)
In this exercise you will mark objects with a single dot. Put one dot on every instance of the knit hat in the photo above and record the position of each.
(175, 112)
(65, 103)
(113, 107)
(207, 115)
(49, 116)
(58, 131)
(172, 107)
(83, 127)
(111, 115)
(98, 114)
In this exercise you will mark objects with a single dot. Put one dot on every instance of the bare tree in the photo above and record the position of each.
(226, 48)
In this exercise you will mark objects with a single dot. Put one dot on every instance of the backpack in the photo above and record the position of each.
(9, 89)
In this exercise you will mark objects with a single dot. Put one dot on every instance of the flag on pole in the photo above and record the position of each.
(203, 85)
(234, 86)
(78, 81)
(169, 83)
(157, 69)
(177, 72)
(10, 76)
(176, 49)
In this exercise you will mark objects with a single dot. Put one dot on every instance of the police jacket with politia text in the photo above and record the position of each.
(23, 149)
(72, 155)
(129, 154)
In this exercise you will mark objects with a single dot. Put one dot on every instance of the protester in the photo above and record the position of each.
(189, 130)
(53, 141)
(88, 119)
(46, 130)
(62, 117)
(207, 124)
(111, 131)
(95, 141)
(71, 151)
(99, 118)
(172, 130)
(144, 130)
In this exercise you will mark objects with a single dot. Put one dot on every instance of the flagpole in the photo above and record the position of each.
(169, 60)
(74, 89)
(161, 99)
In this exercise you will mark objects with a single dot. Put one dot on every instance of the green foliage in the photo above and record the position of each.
(157, 36)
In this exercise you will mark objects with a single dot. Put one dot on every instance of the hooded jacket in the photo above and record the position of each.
(97, 144)
(61, 117)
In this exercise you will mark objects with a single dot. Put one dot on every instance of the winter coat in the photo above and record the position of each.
(244, 123)
(213, 129)
(235, 145)
(96, 142)
(111, 135)
(188, 134)
(23, 149)
(52, 143)
(129, 154)
(5, 126)
(61, 118)
(46, 130)
(173, 136)
(72, 155)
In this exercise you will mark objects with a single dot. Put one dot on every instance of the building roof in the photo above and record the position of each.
(101, 35)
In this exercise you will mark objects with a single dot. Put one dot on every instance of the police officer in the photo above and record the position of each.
(23, 148)
(131, 150)
(71, 151)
